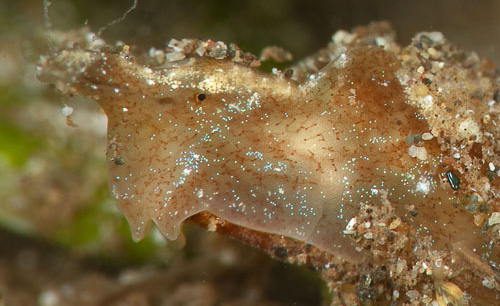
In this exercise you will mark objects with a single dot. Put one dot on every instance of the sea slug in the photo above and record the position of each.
(312, 153)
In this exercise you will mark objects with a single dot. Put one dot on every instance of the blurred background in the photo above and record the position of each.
(61, 239)
(299, 26)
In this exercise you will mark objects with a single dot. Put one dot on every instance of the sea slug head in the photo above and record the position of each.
(182, 146)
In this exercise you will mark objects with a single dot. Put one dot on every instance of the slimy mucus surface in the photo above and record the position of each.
(261, 150)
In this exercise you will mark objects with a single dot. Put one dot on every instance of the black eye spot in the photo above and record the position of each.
(202, 97)
(118, 161)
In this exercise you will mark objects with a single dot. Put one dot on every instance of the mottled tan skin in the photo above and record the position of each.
(266, 153)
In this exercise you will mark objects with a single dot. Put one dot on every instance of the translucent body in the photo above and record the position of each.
(266, 153)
